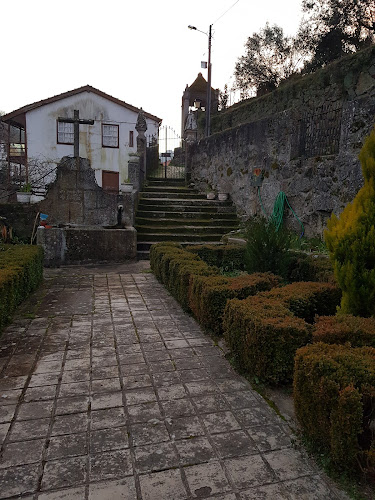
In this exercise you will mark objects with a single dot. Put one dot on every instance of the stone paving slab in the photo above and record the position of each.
(111, 392)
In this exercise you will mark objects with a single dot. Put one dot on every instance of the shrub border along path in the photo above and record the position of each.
(21, 272)
(265, 331)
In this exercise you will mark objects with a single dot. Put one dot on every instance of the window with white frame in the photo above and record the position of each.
(65, 133)
(110, 136)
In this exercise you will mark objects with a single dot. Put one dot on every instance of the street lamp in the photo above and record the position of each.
(208, 104)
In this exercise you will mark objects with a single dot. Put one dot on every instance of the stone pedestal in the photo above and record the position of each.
(76, 198)
(134, 172)
(87, 244)
(141, 127)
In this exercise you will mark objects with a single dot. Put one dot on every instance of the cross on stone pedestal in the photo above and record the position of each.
(77, 122)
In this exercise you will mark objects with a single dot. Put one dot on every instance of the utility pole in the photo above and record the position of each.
(208, 104)
(208, 94)
(165, 157)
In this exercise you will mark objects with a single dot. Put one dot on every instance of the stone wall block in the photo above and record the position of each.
(78, 245)
(306, 138)
(75, 198)
(134, 172)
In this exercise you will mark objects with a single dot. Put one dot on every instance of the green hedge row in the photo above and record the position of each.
(208, 295)
(174, 266)
(198, 287)
(309, 267)
(302, 266)
(21, 272)
(345, 328)
(226, 257)
(334, 397)
(264, 332)
(270, 333)
(334, 391)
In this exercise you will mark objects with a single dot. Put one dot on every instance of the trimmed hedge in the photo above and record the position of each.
(21, 272)
(226, 257)
(198, 287)
(334, 397)
(264, 332)
(156, 254)
(308, 299)
(181, 274)
(359, 332)
(310, 267)
(174, 266)
(302, 266)
(208, 295)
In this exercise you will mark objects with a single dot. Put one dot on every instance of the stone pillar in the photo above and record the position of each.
(141, 127)
(184, 108)
(190, 137)
(134, 171)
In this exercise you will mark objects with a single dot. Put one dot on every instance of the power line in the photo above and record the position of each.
(222, 15)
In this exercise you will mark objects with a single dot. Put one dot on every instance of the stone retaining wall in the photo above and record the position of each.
(304, 137)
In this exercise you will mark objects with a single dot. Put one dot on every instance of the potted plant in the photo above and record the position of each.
(224, 189)
(24, 194)
(210, 193)
(126, 186)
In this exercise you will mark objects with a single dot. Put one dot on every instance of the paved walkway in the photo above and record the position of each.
(111, 392)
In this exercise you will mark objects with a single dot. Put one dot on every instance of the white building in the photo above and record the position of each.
(37, 140)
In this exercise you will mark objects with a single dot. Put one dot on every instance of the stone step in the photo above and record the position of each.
(170, 211)
(208, 215)
(178, 208)
(184, 202)
(171, 222)
(175, 195)
(143, 254)
(183, 229)
(157, 181)
(167, 189)
(156, 237)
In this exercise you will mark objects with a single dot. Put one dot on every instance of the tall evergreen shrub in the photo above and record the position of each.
(351, 242)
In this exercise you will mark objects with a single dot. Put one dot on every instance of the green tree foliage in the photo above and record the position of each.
(351, 242)
(332, 28)
(270, 57)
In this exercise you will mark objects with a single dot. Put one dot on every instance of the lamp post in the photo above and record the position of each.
(208, 103)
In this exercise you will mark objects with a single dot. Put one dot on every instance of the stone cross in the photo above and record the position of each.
(77, 122)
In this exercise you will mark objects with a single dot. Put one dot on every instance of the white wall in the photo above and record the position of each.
(41, 130)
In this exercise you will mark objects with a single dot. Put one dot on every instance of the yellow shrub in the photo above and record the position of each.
(351, 242)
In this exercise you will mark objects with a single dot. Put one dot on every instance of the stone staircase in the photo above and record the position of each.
(170, 211)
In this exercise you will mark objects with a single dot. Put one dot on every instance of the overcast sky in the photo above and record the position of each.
(138, 51)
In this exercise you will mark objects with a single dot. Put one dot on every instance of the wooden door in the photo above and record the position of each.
(110, 181)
